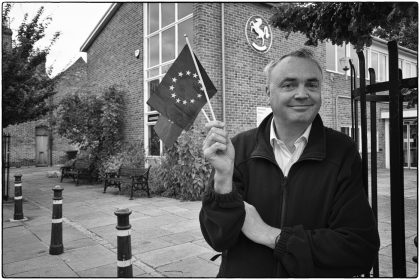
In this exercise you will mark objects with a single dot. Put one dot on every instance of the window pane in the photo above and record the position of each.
(153, 50)
(355, 60)
(154, 143)
(184, 9)
(340, 54)
(382, 67)
(406, 70)
(168, 13)
(330, 56)
(153, 17)
(166, 68)
(185, 27)
(168, 44)
(374, 64)
(413, 70)
(153, 86)
(153, 72)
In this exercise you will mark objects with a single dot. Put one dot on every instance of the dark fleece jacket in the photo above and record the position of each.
(328, 229)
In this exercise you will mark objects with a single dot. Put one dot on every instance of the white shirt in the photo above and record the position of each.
(284, 158)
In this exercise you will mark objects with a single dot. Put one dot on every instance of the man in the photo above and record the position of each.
(286, 199)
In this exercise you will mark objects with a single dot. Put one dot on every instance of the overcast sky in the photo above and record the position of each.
(75, 21)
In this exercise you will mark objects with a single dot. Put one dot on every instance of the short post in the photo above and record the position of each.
(18, 215)
(125, 268)
(56, 245)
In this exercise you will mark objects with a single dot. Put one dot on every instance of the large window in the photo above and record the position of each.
(165, 26)
(378, 60)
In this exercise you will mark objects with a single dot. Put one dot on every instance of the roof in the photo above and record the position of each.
(100, 26)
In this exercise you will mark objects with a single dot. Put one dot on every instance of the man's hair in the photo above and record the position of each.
(302, 53)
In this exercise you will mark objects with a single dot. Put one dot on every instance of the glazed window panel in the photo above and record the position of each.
(340, 54)
(330, 53)
(153, 51)
(168, 14)
(185, 27)
(152, 85)
(168, 44)
(153, 17)
(184, 9)
(382, 67)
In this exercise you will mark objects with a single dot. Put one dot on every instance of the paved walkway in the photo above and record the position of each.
(166, 238)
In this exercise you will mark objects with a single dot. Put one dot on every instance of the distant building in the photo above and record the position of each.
(134, 44)
(30, 140)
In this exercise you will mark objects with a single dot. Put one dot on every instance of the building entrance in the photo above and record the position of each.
(410, 143)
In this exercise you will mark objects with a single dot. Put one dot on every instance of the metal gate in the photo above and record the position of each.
(5, 160)
(394, 97)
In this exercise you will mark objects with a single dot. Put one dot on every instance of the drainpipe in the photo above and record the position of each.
(223, 66)
(336, 108)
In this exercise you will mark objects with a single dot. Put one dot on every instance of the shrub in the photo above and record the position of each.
(93, 122)
(184, 173)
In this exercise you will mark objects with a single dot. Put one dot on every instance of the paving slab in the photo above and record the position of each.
(190, 267)
(171, 254)
(88, 257)
(107, 271)
(42, 266)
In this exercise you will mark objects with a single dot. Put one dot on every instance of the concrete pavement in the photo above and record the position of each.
(165, 236)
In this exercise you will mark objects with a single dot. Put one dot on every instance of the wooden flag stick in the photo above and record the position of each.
(199, 75)
(204, 113)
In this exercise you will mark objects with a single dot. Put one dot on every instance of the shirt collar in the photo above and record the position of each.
(273, 136)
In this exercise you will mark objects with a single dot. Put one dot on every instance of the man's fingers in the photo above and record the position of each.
(217, 124)
(212, 150)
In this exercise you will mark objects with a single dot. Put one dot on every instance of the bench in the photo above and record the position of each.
(81, 168)
(137, 178)
(65, 170)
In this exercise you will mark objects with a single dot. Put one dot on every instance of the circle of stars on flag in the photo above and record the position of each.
(179, 99)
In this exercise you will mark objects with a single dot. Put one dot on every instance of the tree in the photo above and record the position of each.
(26, 86)
(346, 22)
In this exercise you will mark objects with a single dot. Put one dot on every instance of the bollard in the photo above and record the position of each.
(125, 268)
(56, 245)
(18, 215)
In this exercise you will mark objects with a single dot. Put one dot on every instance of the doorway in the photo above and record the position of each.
(41, 146)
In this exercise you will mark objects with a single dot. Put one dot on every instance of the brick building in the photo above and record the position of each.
(134, 44)
(30, 140)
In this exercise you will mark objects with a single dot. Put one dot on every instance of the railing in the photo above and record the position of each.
(367, 93)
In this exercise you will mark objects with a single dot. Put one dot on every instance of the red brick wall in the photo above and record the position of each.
(111, 61)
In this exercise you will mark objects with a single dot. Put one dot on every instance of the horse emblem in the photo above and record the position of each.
(260, 34)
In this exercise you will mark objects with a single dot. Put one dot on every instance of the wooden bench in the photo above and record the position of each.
(81, 168)
(137, 178)
(65, 170)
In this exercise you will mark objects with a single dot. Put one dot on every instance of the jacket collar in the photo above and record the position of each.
(315, 149)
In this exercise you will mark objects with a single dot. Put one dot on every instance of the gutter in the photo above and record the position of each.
(100, 26)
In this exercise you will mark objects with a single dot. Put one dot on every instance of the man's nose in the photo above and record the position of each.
(301, 92)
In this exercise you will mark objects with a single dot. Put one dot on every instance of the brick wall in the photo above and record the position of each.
(111, 61)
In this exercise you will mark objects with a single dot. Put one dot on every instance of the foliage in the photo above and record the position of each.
(184, 173)
(343, 22)
(25, 85)
(131, 154)
(93, 122)
(406, 34)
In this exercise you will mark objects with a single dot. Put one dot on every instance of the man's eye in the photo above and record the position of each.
(287, 85)
(313, 85)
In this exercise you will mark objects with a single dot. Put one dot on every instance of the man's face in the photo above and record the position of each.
(295, 91)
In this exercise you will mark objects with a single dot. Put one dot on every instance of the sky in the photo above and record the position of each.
(74, 20)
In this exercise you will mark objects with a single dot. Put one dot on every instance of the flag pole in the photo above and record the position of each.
(201, 79)
(204, 113)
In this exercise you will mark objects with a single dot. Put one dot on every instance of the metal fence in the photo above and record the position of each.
(5, 167)
(367, 94)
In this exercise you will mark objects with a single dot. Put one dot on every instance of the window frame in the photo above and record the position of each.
(162, 67)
